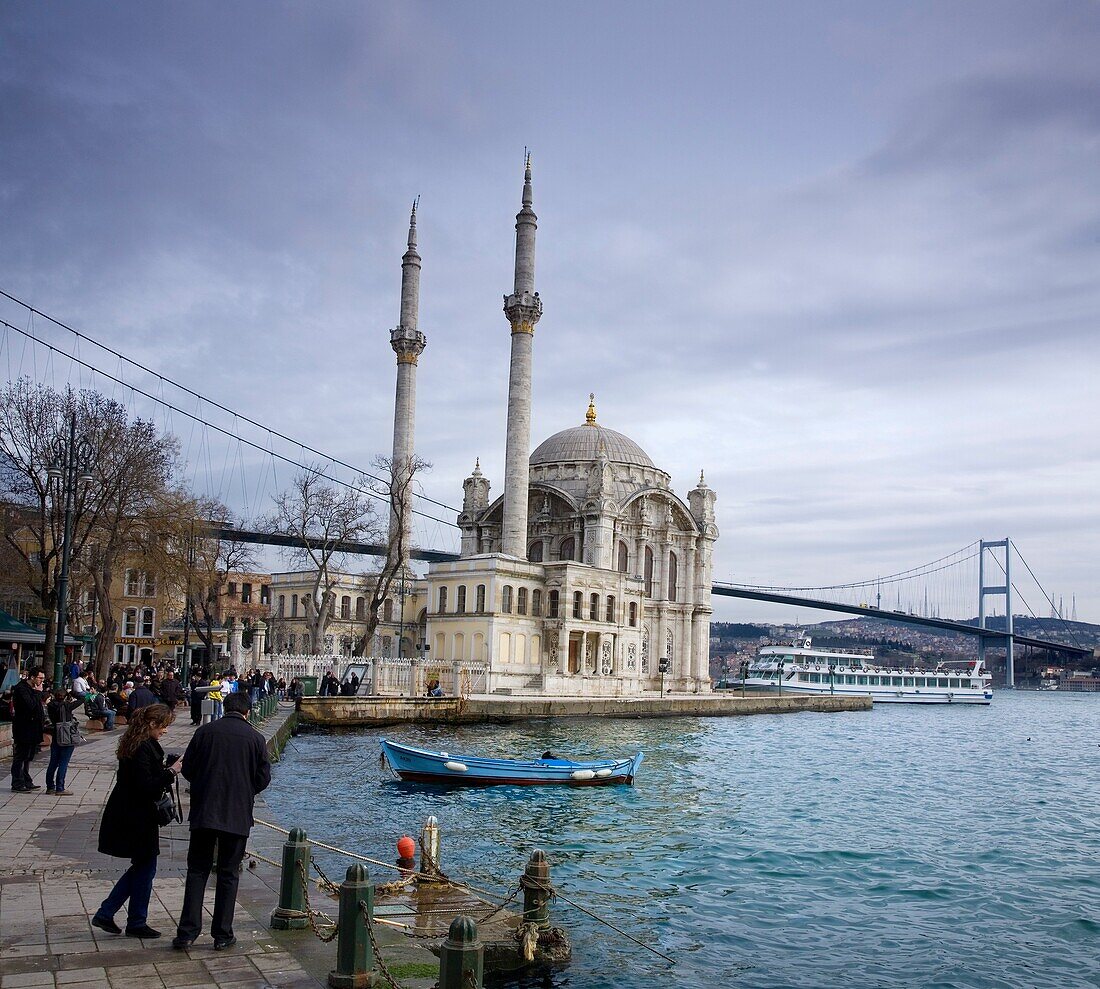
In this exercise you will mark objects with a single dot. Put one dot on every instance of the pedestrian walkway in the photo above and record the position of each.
(52, 878)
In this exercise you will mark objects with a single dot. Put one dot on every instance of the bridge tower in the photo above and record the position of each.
(1004, 590)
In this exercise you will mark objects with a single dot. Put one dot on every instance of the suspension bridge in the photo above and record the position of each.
(236, 460)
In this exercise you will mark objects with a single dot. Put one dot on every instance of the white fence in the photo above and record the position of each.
(388, 676)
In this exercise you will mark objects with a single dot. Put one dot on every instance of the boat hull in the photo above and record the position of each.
(414, 765)
(882, 696)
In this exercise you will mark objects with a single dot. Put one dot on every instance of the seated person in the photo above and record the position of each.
(96, 705)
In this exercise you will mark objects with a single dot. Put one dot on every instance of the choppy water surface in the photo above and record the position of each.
(906, 846)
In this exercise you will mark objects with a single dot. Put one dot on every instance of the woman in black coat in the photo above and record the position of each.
(129, 828)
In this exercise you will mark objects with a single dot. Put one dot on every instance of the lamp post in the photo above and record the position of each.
(185, 666)
(70, 463)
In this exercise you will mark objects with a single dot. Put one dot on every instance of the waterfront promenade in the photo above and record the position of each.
(52, 878)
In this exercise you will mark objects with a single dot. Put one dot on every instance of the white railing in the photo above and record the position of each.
(387, 676)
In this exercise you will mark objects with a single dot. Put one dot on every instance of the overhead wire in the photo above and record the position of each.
(209, 401)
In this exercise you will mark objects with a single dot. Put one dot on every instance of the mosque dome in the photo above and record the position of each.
(580, 444)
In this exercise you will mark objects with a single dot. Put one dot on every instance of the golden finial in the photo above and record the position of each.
(590, 416)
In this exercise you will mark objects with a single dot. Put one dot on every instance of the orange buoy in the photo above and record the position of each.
(406, 847)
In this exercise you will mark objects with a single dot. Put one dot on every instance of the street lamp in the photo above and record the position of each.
(71, 462)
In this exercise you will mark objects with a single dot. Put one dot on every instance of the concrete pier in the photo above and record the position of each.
(371, 711)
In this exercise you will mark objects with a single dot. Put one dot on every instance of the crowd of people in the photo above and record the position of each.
(225, 763)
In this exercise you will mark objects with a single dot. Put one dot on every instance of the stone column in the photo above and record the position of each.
(236, 651)
(259, 637)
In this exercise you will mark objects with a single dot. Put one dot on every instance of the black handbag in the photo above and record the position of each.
(169, 807)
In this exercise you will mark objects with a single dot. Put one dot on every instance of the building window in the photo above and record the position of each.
(345, 606)
(265, 594)
(536, 603)
(294, 606)
(443, 600)
(648, 572)
(552, 609)
(594, 608)
(292, 643)
(479, 598)
(146, 623)
(360, 608)
(246, 593)
(578, 604)
(282, 605)
(232, 588)
(624, 557)
(534, 554)
(460, 600)
(610, 615)
(672, 576)
(567, 548)
(633, 614)
(506, 599)
(129, 622)
(387, 611)
(521, 601)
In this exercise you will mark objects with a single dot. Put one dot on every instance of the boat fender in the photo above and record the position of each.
(458, 767)
(603, 773)
(582, 774)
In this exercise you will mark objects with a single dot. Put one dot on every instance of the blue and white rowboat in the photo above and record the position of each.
(423, 766)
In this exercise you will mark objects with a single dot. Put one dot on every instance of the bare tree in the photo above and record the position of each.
(322, 517)
(131, 465)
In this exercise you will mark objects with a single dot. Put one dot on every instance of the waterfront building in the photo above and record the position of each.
(588, 575)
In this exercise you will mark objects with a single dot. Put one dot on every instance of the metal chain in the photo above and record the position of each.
(312, 914)
(374, 946)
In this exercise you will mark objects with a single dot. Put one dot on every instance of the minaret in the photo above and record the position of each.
(408, 343)
(523, 309)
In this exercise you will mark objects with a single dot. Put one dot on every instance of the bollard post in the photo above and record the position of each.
(461, 956)
(536, 889)
(430, 843)
(291, 914)
(207, 711)
(353, 950)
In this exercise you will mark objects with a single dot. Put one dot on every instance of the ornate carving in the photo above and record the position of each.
(407, 344)
(632, 657)
(645, 650)
(523, 310)
(605, 663)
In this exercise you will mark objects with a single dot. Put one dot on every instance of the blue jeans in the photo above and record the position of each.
(254, 694)
(59, 764)
(108, 720)
(136, 885)
(217, 711)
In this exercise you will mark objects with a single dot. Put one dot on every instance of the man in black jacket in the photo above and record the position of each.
(28, 719)
(227, 765)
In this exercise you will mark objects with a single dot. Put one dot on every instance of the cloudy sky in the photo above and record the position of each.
(843, 256)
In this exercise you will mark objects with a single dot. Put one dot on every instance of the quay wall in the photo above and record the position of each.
(380, 711)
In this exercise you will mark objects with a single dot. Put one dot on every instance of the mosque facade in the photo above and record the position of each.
(588, 575)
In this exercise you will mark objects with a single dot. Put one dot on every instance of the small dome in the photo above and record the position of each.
(580, 444)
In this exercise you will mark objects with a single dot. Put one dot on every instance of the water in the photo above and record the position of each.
(906, 846)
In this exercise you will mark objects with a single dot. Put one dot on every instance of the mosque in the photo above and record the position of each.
(587, 575)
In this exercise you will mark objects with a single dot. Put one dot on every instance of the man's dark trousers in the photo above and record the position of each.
(21, 756)
(200, 860)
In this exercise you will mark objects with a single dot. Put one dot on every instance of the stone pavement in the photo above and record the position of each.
(52, 878)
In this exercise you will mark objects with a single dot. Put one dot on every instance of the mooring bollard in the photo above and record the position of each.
(291, 914)
(536, 889)
(353, 949)
(430, 847)
(461, 956)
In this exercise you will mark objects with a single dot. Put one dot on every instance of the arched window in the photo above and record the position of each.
(534, 554)
(479, 600)
(521, 601)
(460, 601)
(282, 605)
(293, 605)
(147, 623)
(594, 608)
(292, 643)
(610, 608)
(633, 614)
(443, 600)
(624, 557)
(567, 549)
(360, 608)
(345, 606)
(387, 610)
(671, 576)
(552, 609)
(648, 572)
(578, 604)
(536, 603)
(506, 599)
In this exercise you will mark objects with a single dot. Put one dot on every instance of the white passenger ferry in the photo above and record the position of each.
(801, 669)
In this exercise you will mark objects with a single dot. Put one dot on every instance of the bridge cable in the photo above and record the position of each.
(205, 423)
(208, 401)
(1068, 628)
